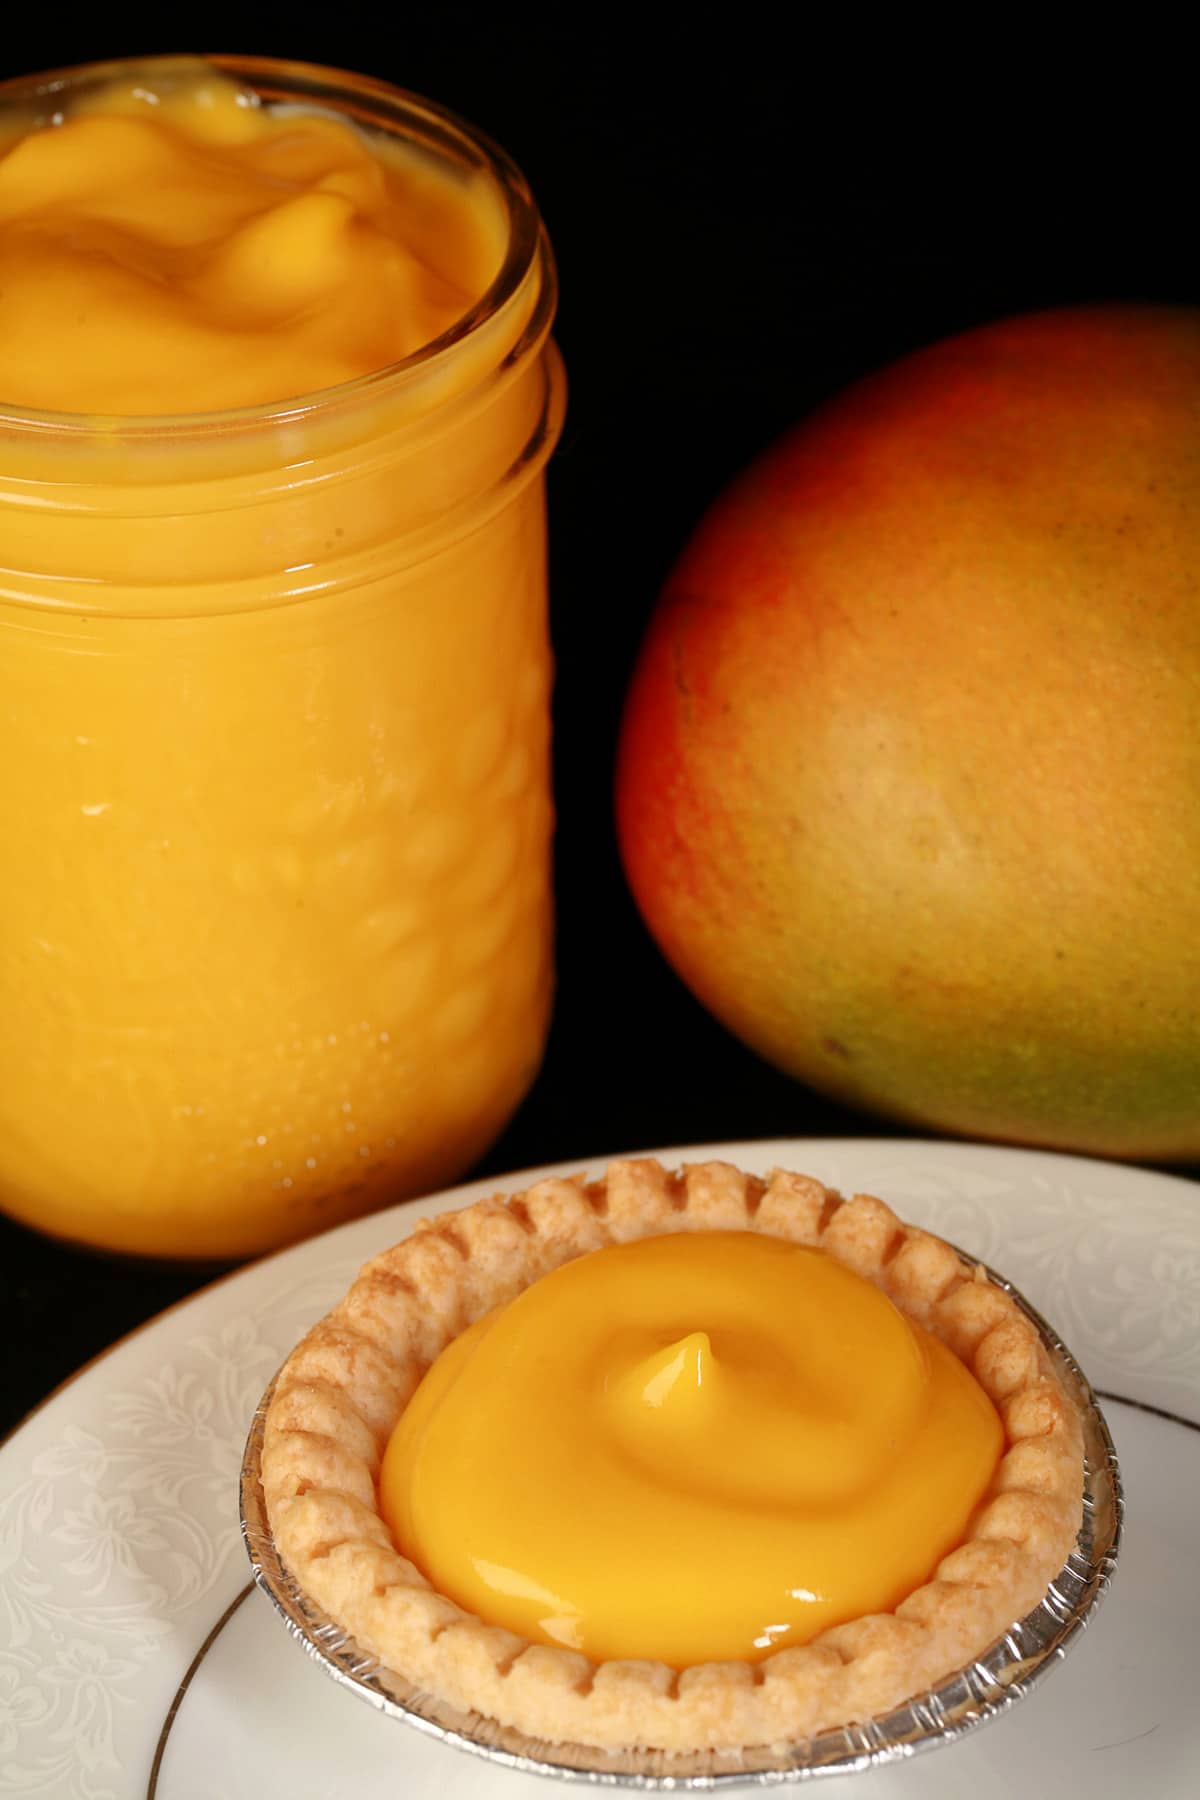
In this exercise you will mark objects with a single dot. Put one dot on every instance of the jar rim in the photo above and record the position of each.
(368, 100)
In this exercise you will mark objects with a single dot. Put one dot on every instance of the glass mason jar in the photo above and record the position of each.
(275, 922)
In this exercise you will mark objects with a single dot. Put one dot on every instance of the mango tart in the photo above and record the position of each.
(769, 1463)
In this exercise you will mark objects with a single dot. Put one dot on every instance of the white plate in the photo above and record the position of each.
(132, 1665)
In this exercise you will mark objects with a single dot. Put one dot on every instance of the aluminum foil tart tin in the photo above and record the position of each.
(1008, 1671)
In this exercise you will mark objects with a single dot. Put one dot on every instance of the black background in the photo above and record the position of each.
(747, 214)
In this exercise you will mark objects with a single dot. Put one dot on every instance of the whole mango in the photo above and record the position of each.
(908, 785)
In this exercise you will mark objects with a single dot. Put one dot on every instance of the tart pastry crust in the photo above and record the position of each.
(338, 1396)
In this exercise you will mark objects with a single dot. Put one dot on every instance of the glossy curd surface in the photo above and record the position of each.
(180, 247)
(700, 1447)
(274, 682)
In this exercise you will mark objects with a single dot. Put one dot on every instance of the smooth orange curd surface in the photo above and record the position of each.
(691, 1448)
(192, 250)
(275, 924)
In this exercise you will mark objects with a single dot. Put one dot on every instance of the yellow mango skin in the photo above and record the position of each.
(908, 786)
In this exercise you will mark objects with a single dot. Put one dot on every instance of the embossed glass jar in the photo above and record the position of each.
(275, 925)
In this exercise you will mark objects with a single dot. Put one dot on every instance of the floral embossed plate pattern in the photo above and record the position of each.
(132, 1664)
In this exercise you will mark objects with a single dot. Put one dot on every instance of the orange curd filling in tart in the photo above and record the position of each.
(769, 1443)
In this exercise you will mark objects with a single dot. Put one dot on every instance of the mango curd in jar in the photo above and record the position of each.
(276, 396)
